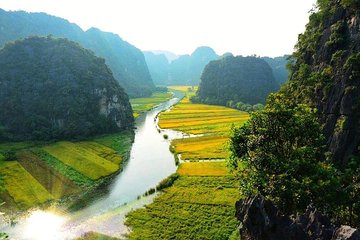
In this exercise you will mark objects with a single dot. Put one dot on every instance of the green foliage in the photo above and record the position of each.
(337, 38)
(167, 182)
(353, 65)
(3, 236)
(278, 154)
(350, 180)
(352, 4)
(238, 79)
(52, 88)
(244, 106)
(9, 155)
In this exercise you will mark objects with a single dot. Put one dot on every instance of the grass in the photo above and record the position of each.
(140, 105)
(83, 160)
(193, 208)
(24, 189)
(203, 169)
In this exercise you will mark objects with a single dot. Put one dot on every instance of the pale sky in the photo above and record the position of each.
(243, 27)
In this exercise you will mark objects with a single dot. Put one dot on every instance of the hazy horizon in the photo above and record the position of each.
(241, 27)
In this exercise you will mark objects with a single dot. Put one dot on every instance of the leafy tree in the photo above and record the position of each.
(278, 154)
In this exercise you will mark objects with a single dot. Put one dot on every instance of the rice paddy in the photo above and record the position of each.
(214, 121)
(42, 173)
(81, 159)
(203, 169)
(200, 203)
(140, 105)
(193, 208)
(23, 188)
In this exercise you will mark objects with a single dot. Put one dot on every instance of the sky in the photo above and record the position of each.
(242, 27)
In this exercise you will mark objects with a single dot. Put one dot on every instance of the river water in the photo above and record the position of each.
(150, 162)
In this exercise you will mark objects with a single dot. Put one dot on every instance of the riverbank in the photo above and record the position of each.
(150, 161)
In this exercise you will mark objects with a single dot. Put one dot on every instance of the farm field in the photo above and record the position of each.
(195, 207)
(200, 203)
(40, 173)
(214, 121)
(140, 105)
(22, 187)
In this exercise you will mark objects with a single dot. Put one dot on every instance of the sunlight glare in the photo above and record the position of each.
(43, 225)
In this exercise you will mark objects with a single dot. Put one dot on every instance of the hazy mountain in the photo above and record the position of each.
(54, 88)
(169, 55)
(126, 61)
(278, 65)
(158, 66)
(239, 79)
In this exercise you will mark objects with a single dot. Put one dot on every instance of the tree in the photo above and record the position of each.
(279, 153)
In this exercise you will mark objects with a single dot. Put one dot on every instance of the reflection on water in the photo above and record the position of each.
(150, 162)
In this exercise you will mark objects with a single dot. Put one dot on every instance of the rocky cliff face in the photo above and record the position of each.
(261, 220)
(326, 74)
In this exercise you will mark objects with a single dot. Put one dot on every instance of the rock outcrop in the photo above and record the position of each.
(261, 220)
(326, 74)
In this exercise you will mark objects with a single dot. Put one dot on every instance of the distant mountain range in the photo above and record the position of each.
(183, 70)
(167, 68)
(126, 61)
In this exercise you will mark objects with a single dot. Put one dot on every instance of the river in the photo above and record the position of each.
(150, 162)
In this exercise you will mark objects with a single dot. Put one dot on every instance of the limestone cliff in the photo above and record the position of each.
(326, 74)
(53, 88)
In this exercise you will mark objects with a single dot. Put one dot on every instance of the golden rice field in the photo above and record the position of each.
(200, 203)
(55, 183)
(214, 121)
(195, 207)
(203, 169)
(22, 186)
(82, 159)
(201, 118)
(204, 147)
(140, 105)
(43, 173)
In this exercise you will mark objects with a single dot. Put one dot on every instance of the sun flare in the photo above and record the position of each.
(43, 225)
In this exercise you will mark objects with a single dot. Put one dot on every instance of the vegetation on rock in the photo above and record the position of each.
(232, 80)
(52, 88)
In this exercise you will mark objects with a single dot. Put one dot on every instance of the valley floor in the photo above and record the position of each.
(200, 203)
(40, 173)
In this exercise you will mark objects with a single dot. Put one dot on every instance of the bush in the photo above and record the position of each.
(9, 155)
(167, 182)
(279, 153)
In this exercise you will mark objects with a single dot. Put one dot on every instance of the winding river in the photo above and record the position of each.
(150, 162)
